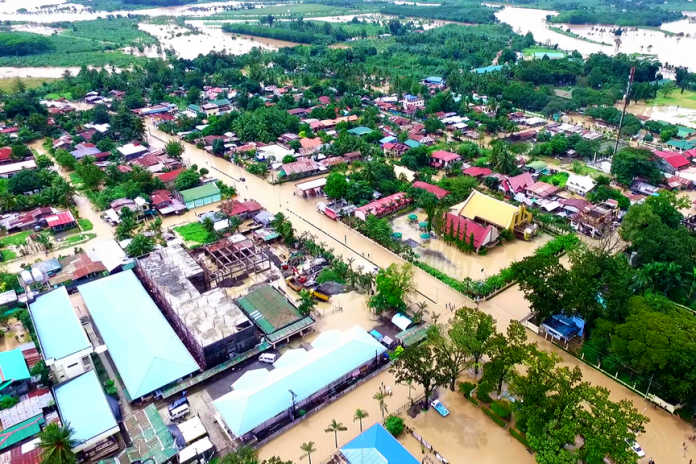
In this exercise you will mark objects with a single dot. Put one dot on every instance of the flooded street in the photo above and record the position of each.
(668, 49)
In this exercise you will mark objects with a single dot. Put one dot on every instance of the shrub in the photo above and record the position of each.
(519, 437)
(8, 402)
(394, 425)
(473, 401)
(466, 388)
(110, 387)
(493, 416)
(503, 408)
(482, 393)
(329, 275)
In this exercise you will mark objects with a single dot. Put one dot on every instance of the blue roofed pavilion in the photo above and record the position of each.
(376, 446)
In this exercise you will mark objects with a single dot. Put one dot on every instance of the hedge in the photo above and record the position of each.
(519, 437)
(503, 408)
(498, 420)
(473, 401)
(466, 388)
(483, 288)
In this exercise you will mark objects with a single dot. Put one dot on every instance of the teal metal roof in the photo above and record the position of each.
(376, 446)
(360, 130)
(146, 350)
(412, 143)
(487, 69)
(202, 191)
(21, 431)
(82, 403)
(333, 355)
(57, 326)
(13, 366)
(681, 144)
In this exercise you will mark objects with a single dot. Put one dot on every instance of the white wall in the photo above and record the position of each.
(71, 366)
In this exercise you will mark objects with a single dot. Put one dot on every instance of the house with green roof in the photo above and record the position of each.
(685, 132)
(360, 131)
(21, 431)
(199, 196)
(681, 144)
(274, 315)
(14, 373)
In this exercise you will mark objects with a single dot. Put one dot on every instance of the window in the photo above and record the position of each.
(71, 366)
(86, 361)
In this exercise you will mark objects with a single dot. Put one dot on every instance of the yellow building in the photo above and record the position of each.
(490, 211)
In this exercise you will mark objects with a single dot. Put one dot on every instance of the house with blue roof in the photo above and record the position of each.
(146, 351)
(434, 80)
(360, 131)
(14, 373)
(376, 446)
(82, 403)
(65, 347)
(487, 69)
(261, 398)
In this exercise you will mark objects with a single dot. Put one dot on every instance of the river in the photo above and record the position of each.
(668, 49)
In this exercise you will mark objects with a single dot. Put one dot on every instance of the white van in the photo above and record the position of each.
(269, 358)
(179, 412)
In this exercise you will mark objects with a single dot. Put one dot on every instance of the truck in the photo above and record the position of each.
(319, 295)
(293, 283)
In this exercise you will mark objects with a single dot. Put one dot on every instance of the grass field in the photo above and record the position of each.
(685, 100)
(85, 224)
(9, 84)
(194, 233)
(8, 255)
(15, 239)
(532, 50)
(559, 179)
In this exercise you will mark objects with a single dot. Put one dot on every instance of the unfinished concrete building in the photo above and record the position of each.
(234, 258)
(208, 319)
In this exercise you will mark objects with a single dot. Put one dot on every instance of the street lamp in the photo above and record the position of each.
(294, 396)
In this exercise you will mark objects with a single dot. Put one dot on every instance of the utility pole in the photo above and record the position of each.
(649, 383)
(627, 99)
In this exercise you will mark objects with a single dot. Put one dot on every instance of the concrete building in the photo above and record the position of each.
(580, 185)
(199, 196)
(64, 344)
(300, 378)
(146, 351)
(214, 322)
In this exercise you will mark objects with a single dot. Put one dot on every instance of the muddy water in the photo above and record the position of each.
(673, 50)
(451, 261)
(664, 433)
(671, 114)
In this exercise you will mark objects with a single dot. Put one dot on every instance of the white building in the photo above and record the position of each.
(580, 184)
(64, 345)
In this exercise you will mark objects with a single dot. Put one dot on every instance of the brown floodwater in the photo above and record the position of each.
(668, 49)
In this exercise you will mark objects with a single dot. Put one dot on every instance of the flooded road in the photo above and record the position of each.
(667, 49)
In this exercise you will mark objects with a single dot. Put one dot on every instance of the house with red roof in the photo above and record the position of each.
(439, 192)
(241, 209)
(477, 172)
(324, 100)
(394, 149)
(516, 184)
(169, 177)
(5, 155)
(384, 206)
(166, 203)
(443, 159)
(671, 162)
(541, 190)
(463, 229)
(60, 221)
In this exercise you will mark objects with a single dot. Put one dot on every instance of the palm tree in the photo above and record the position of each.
(209, 226)
(7, 201)
(360, 414)
(380, 396)
(308, 448)
(56, 445)
(506, 162)
(335, 427)
(418, 314)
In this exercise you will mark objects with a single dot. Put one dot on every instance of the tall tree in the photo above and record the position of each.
(308, 449)
(448, 343)
(506, 352)
(380, 397)
(335, 427)
(418, 364)
(359, 415)
(394, 285)
(474, 331)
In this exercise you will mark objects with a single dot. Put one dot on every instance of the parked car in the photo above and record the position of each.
(636, 448)
(178, 409)
(439, 407)
(269, 358)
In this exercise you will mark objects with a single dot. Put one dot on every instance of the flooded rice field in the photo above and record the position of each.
(667, 49)
(457, 264)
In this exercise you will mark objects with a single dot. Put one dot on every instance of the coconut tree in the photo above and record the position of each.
(380, 396)
(56, 445)
(335, 427)
(308, 448)
(360, 414)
